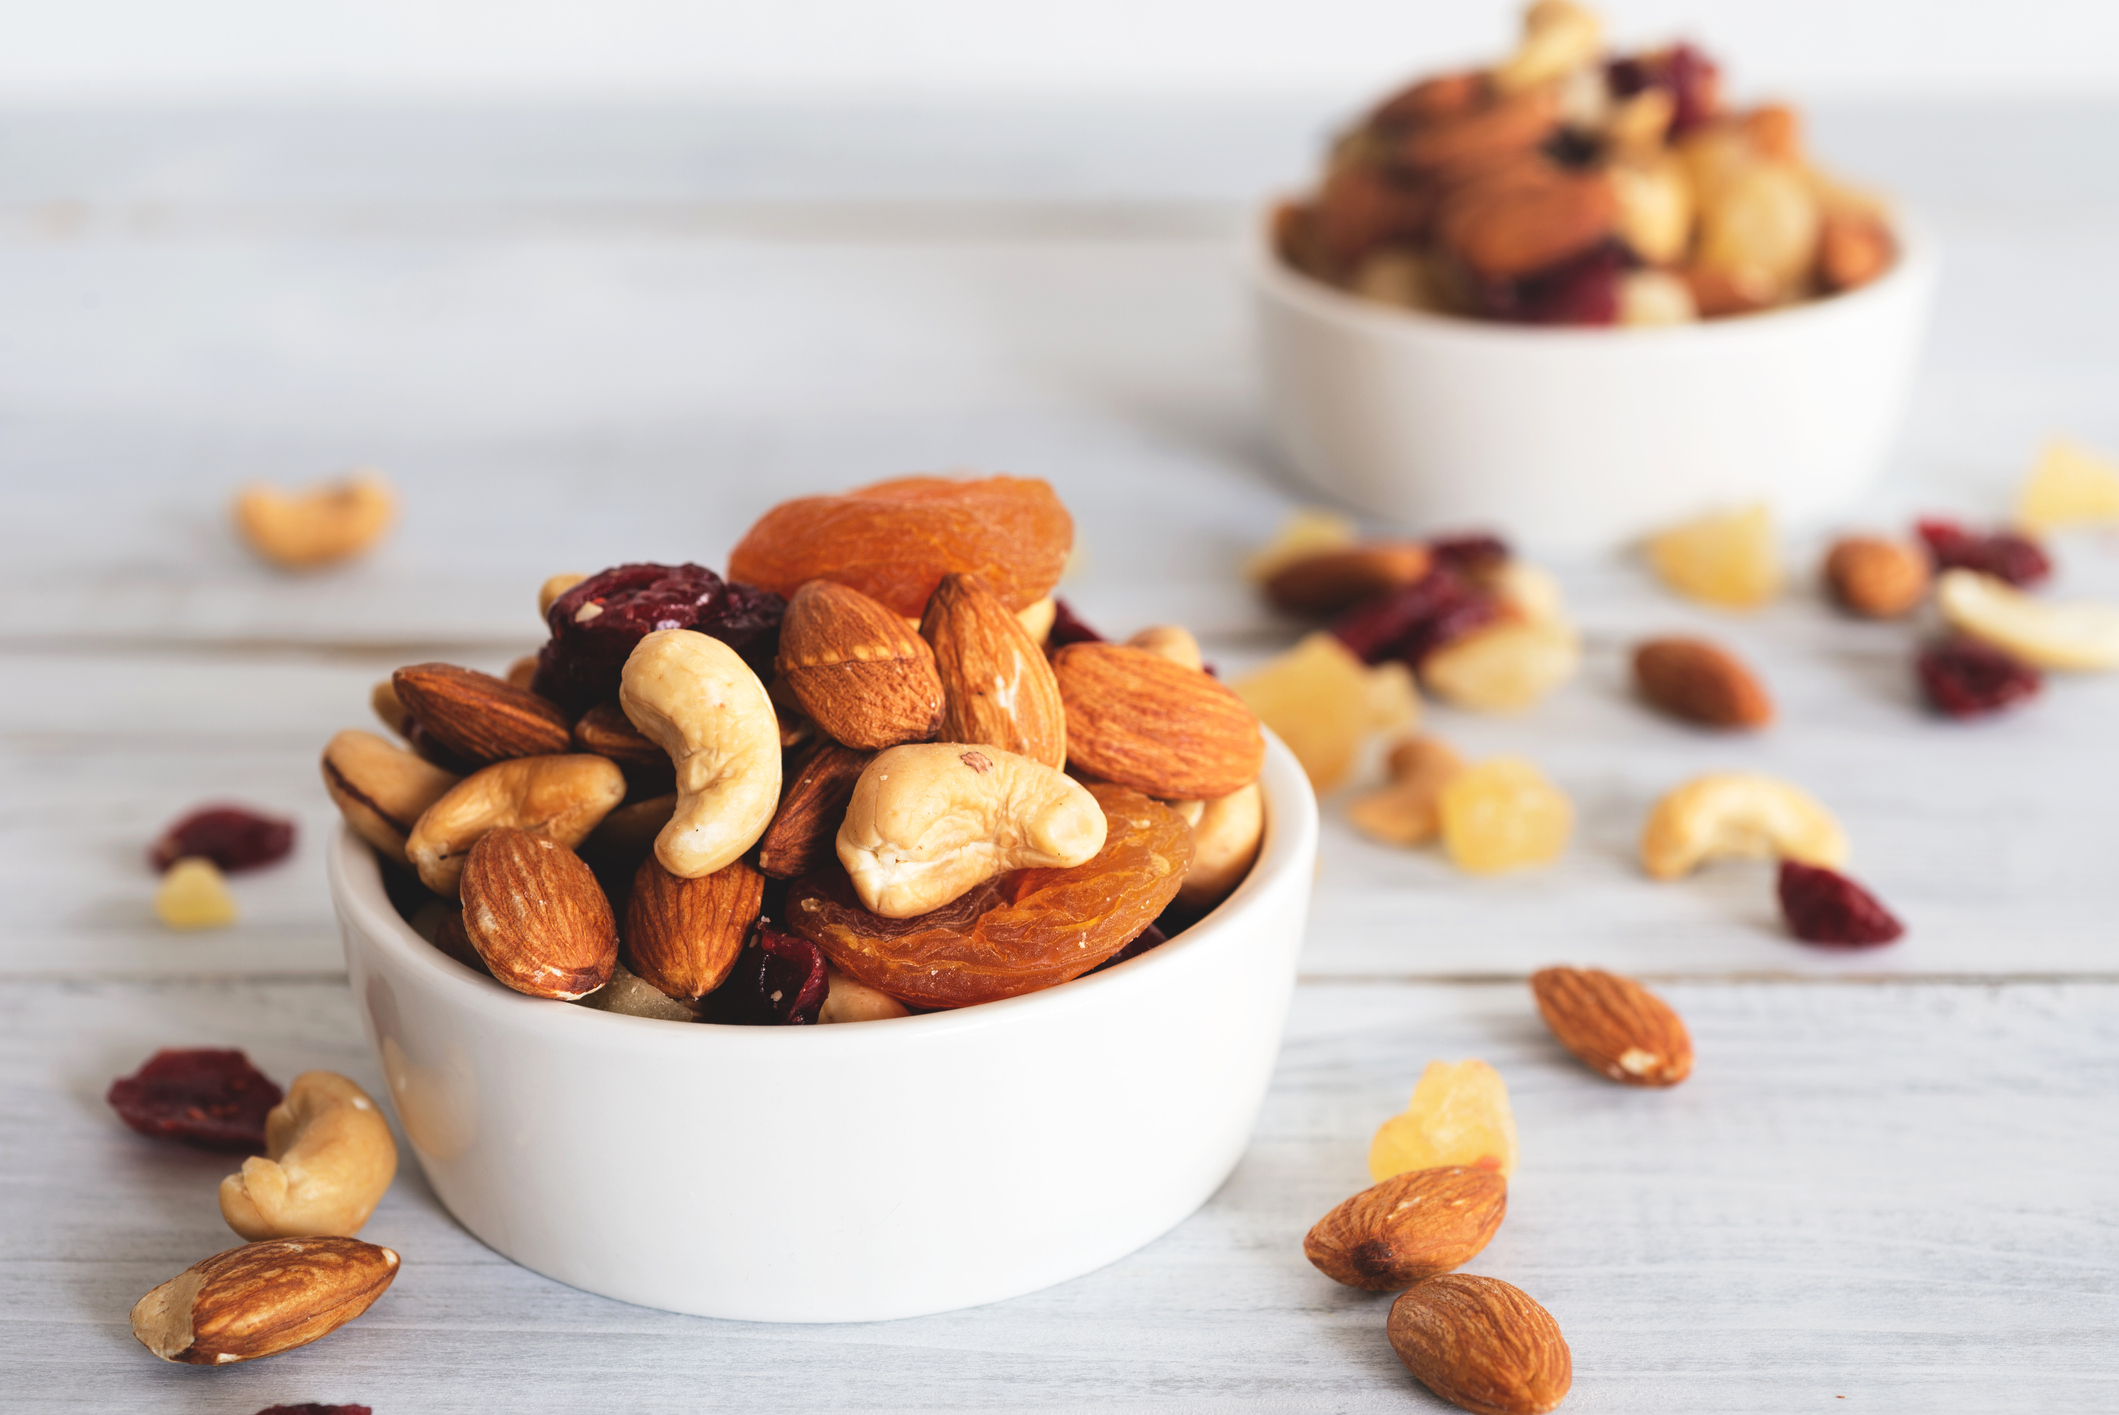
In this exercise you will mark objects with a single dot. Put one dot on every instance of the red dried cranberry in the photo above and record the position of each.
(1966, 678)
(233, 837)
(1693, 80)
(778, 980)
(1824, 906)
(2003, 554)
(215, 1100)
(1068, 628)
(312, 1408)
(1583, 289)
(1414, 620)
(595, 625)
(1476, 553)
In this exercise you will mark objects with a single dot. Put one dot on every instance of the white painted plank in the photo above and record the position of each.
(1838, 1204)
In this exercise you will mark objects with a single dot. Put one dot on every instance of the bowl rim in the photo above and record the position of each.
(1918, 263)
(1291, 829)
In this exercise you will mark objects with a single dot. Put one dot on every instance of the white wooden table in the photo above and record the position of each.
(579, 338)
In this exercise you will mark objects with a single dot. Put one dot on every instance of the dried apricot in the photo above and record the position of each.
(1015, 934)
(215, 1100)
(895, 540)
(1458, 1115)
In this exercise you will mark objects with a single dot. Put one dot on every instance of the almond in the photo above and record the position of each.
(262, 1299)
(1617, 1027)
(1877, 578)
(1139, 720)
(605, 730)
(479, 717)
(811, 809)
(683, 935)
(1482, 1344)
(537, 916)
(998, 689)
(1333, 580)
(859, 670)
(1694, 680)
(1409, 1227)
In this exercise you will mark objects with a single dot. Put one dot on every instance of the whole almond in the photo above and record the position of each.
(479, 717)
(1876, 578)
(1167, 731)
(537, 916)
(605, 730)
(683, 935)
(1694, 680)
(1482, 1345)
(262, 1299)
(1332, 580)
(1617, 1027)
(380, 788)
(1409, 1227)
(811, 810)
(859, 670)
(1525, 218)
(998, 689)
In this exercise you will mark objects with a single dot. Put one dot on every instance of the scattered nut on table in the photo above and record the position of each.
(1409, 1227)
(262, 1299)
(328, 1159)
(319, 525)
(1740, 815)
(1617, 1028)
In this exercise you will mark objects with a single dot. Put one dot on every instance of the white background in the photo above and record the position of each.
(657, 50)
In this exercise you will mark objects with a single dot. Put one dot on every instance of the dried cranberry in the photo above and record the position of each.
(1824, 906)
(595, 625)
(1068, 628)
(1476, 553)
(233, 837)
(2004, 554)
(1583, 289)
(310, 1407)
(1414, 620)
(215, 1100)
(778, 980)
(1693, 80)
(1147, 938)
(1966, 678)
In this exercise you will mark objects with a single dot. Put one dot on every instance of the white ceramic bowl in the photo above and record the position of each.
(1588, 438)
(840, 1173)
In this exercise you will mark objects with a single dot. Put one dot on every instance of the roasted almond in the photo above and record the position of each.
(537, 916)
(998, 689)
(1137, 719)
(811, 809)
(262, 1299)
(605, 730)
(1526, 219)
(1409, 1227)
(380, 788)
(1482, 1345)
(1332, 580)
(857, 669)
(1694, 680)
(1614, 1025)
(479, 717)
(1877, 578)
(683, 935)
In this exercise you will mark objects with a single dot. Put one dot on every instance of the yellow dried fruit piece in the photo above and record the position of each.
(2082, 635)
(1743, 815)
(1458, 1115)
(1394, 703)
(193, 895)
(1319, 698)
(1503, 815)
(1305, 533)
(2070, 486)
(1727, 559)
(1503, 667)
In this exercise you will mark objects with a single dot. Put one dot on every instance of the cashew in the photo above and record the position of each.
(522, 672)
(330, 1157)
(2065, 636)
(380, 788)
(1558, 36)
(317, 526)
(1653, 298)
(1406, 812)
(1305, 533)
(1655, 208)
(1740, 814)
(552, 589)
(846, 1000)
(389, 708)
(1171, 641)
(1529, 591)
(1036, 618)
(1225, 841)
(701, 703)
(561, 798)
(929, 821)
(1503, 667)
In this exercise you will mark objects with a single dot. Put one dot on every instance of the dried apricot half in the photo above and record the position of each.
(895, 540)
(1014, 934)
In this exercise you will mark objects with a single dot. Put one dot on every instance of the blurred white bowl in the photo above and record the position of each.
(1588, 438)
(840, 1173)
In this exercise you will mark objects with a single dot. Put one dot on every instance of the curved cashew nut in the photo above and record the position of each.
(1558, 36)
(1742, 814)
(330, 1159)
(929, 821)
(318, 525)
(2081, 636)
(1171, 641)
(561, 798)
(696, 698)
(1225, 841)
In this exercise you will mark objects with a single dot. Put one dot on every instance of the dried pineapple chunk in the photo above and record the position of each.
(1727, 559)
(1459, 1114)
(193, 895)
(2070, 486)
(1503, 815)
